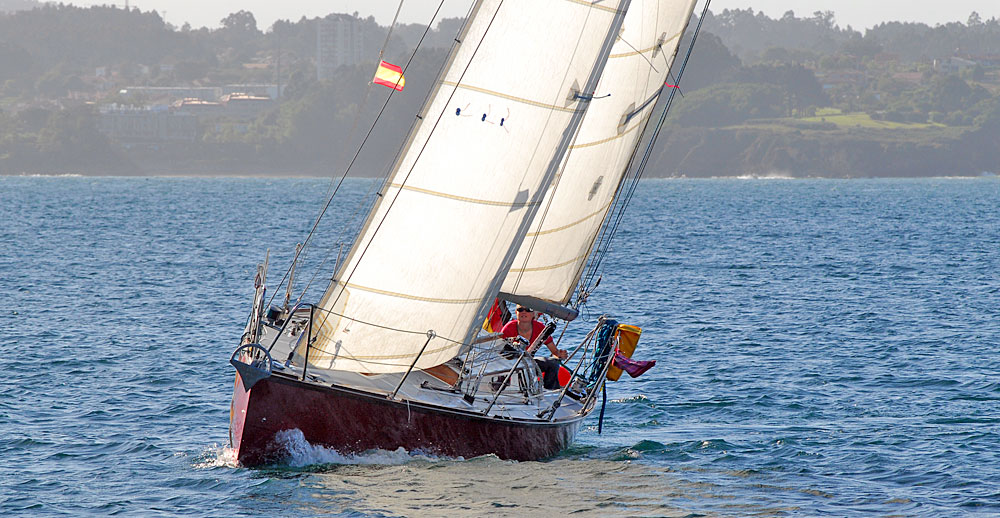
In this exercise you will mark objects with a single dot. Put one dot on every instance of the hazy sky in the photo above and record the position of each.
(859, 14)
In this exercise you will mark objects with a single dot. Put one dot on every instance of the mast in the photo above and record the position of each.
(462, 195)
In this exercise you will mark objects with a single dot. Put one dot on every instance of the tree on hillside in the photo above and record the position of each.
(750, 34)
(799, 82)
(729, 104)
(919, 42)
(711, 62)
(861, 47)
(70, 139)
(240, 22)
(14, 61)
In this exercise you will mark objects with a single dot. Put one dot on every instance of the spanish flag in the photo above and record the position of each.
(389, 75)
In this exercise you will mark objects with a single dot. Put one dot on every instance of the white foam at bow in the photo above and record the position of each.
(302, 453)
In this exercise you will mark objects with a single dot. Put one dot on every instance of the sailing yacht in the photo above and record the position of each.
(506, 185)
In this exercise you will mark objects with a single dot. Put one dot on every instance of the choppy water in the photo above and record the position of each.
(826, 348)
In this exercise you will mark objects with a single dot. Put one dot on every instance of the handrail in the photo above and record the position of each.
(505, 380)
(558, 402)
(430, 336)
(309, 330)
(603, 379)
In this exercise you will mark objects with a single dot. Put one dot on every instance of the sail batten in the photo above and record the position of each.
(463, 193)
(552, 258)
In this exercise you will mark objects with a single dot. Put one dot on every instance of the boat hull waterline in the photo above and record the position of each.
(353, 421)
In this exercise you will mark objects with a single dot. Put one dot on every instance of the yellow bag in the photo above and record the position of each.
(628, 338)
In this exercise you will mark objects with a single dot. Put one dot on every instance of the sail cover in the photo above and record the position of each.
(555, 251)
(463, 193)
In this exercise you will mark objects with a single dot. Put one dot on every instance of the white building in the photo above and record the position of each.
(338, 42)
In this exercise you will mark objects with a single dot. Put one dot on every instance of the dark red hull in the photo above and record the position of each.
(352, 421)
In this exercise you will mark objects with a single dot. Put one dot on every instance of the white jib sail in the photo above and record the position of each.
(463, 193)
(553, 254)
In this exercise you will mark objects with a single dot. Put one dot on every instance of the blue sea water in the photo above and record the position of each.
(825, 348)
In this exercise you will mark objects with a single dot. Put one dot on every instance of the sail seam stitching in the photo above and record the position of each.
(411, 297)
(550, 267)
(464, 198)
(509, 97)
(570, 225)
(605, 141)
(645, 50)
(594, 5)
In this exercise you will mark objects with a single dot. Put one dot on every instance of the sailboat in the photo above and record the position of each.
(504, 189)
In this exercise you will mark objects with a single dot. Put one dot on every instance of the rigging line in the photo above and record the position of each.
(525, 222)
(329, 200)
(553, 187)
(355, 359)
(426, 141)
(659, 125)
(575, 122)
(583, 278)
(670, 73)
(630, 189)
(391, 27)
(329, 252)
(613, 210)
(541, 221)
(413, 125)
(380, 326)
(344, 353)
(354, 126)
(364, 102)
(610, 225)
(639, 52)
(366, 207)
(598, 242)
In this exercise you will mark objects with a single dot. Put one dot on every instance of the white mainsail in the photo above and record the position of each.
(555, 251)
(462, 196)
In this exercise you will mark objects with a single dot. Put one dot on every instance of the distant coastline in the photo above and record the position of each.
(762, 151)
(120, 92)
(704, 152)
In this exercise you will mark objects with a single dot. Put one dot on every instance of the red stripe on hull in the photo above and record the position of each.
(352, 422)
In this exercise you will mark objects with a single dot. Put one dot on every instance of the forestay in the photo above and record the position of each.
(552, 257)
(463, 193)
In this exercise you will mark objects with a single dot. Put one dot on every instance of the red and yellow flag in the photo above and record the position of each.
(389, 75)
(497, 317)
